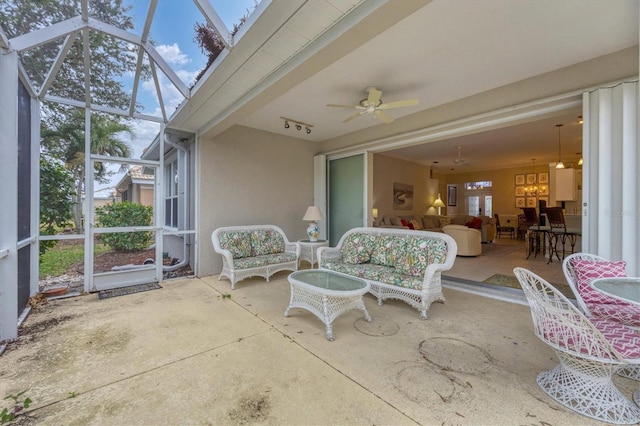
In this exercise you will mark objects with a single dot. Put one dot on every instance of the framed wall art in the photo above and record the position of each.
(519, 191)
(402, 196)
(531, 202)
(520, 202)
(452, 195)
(531, 178)
(519, 179)
(543, 177)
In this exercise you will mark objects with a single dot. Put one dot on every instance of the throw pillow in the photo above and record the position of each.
(444, 221)
(237, 242)
(357, 248)
(477, 223)
(404, 222)
(587, 271)
(384, 250)
(416, 224)
(469, 224)
(266, 241)
(395, 221)
(428, 223)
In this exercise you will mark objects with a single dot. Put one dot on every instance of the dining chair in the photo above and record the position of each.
(590, 351)
(510, 230)
(560, 233)
(536, 233)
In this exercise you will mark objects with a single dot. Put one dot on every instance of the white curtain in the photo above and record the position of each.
(611, 189)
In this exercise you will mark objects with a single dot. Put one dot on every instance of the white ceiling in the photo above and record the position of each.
(444, 51)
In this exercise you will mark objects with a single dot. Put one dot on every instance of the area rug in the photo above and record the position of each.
(512, 282)
(121, 291)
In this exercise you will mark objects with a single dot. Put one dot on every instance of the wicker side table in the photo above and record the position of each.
(308, 250)
(327, 295)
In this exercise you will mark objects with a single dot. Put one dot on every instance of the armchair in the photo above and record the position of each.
(469, 240)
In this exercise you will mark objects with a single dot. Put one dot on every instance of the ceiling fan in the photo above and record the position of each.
(373, 104)
(460, 161)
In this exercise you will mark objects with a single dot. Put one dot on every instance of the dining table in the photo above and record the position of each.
(626, 289)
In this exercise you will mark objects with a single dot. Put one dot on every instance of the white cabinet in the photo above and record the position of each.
(565, 184)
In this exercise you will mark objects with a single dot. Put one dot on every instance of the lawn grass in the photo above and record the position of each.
(58, 260)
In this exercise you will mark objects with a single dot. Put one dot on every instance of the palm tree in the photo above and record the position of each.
(67, 143)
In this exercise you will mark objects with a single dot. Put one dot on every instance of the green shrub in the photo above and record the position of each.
(121, 215)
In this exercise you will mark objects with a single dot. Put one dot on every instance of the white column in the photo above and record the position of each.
(9, 195)
(611, 193)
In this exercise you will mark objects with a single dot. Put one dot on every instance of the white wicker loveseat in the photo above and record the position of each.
(254, 250)
(399, 264)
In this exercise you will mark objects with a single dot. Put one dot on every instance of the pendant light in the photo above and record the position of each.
(559, 164)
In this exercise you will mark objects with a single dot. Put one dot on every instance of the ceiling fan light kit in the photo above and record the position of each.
(374, 105)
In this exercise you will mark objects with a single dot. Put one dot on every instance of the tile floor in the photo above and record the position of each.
(482, 267)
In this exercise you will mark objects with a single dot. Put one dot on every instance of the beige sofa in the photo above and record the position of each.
(468, 239)
(434, 223)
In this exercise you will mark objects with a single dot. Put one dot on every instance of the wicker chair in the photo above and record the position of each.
(599, 305)
(590, 351)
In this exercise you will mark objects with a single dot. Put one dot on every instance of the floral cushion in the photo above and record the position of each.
(384, 249)
(383, 274)
(588, 270)
(356, 248)
(237, 242)
(266, 241)
(264, 260)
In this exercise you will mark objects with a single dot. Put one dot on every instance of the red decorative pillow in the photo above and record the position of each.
(477, 223)
(404, 222)
(410, 225)
(469, 224)
(587, 271)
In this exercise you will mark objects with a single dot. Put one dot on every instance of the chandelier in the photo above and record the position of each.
(532, 190)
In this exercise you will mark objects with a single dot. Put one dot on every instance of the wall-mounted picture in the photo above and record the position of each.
(452, 195)
(545, 199)
(520, 202)
(519, 191)
(544, 190)
(543, 177)
(531, 201)
(519, 179)
(531, 178)
(402, 196)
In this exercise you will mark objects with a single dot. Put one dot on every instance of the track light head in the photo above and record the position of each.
(286, 125)
(298, 127)
(308, 130)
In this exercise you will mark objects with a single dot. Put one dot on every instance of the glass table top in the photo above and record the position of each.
(626, 288)
(328, 280)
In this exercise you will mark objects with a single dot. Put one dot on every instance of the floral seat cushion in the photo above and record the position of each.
(266, 241)
(264, 260)
(357, 248)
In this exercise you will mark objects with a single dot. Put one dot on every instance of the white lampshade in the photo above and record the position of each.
(438, 202)
(313, 214)
(375, 213)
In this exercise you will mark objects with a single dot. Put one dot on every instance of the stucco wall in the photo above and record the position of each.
(251, 177)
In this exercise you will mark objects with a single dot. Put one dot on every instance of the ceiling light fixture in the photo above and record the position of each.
(298, 124)
(532, 189)
(559, 164)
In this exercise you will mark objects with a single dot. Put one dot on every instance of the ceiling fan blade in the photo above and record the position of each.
(356, 115)
(344, 106)
(383, 116)
(374, 96)
(398, 104)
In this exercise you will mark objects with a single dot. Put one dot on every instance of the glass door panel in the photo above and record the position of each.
(346, 196)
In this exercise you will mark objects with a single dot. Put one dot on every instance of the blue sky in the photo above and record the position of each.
(173, 33)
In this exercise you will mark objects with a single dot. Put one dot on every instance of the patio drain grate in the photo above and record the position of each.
(121, 291)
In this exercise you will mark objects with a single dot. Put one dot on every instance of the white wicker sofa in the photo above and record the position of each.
(399, 264)
(254, 250)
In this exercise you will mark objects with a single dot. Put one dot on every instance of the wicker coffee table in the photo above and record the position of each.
(327, 295)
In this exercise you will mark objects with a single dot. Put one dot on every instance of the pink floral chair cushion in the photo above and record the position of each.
(587, 271)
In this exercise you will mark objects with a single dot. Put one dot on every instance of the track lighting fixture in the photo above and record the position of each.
(298, 124)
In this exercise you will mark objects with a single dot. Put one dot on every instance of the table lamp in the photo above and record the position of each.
(439, 204)
(374, 213)
(313, 215)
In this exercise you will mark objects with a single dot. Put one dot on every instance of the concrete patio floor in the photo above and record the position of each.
(187, 354)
